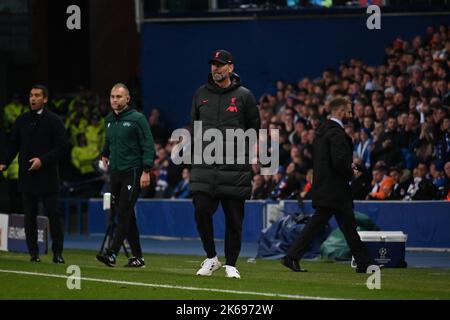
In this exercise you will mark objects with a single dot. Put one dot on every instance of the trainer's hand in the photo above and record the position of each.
(2, 167)
(145, 180)
(105, 161)
(35, 164)
(356, 172)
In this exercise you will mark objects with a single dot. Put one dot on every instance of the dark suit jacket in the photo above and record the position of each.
(332, 164)
(399, 191)
(427, 191)
(37, 136)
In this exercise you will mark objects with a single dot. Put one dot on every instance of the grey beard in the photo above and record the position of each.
(218, 77)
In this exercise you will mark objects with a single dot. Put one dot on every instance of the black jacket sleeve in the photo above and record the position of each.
(194, 111)
(194, 117)
(252, 119)
(341, 154)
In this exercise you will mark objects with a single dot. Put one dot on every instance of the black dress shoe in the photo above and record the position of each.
(135, 262)
(292, 264)
(108, 258)
(57, 258)
(35, 258)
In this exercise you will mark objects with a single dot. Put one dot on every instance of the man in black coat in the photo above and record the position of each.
(40, 139)
(331, 192)
(361, 182)
(387, 147)
(222, 103)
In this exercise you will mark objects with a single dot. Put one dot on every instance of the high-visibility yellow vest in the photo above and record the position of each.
(58, 103)
(95, 135)
(74, 101)
(11, 112)
(12, 173)
(76, 129)
(83, 156)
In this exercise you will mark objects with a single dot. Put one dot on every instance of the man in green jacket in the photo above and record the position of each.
(128, 153)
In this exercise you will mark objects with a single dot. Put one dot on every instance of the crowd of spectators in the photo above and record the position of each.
(83, 114)
(400, 129)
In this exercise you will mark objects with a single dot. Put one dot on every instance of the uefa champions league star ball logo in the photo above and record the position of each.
(382, 252)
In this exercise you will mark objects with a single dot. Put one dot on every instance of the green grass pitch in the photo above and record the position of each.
(172, 277)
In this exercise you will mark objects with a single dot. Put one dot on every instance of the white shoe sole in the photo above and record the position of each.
(234, 275)
(208, 273)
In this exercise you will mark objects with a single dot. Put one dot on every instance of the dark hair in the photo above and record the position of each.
(338, 103)
(396, 169)
(415, 114)
(423, 164)
(41, 87)
(380, 168)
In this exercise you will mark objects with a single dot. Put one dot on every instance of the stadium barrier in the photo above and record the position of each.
(425, 222)
(74, 214)
(12, 233)
(175, 218)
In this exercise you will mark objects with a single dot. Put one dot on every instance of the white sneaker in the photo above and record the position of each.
(232, 272)
(208, 266)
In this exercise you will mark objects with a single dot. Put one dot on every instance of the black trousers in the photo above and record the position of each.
(14, 196)
(50, 203)
(125, 189)
(205, 207)
(347, 223)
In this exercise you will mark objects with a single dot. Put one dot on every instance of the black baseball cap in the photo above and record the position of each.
(221, 56)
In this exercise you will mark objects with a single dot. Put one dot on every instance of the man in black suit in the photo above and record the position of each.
(399, 189)
(40, 139)
(331, 192)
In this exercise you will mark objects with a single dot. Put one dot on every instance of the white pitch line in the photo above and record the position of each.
(166, 286)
